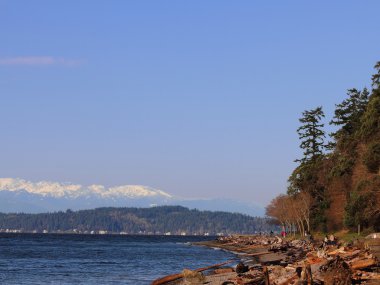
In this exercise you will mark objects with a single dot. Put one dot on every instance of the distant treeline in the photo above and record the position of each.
(155, 220)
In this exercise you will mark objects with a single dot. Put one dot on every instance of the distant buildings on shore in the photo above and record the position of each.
(104, 232)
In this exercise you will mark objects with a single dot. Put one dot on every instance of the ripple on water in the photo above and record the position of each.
(81, 259)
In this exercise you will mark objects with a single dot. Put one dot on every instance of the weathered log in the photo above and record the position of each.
(223, 270)
(371, 277)
(272, 258)
(177, 276)
(351, 254)
(167, 279)
(366, 276)
(290, 280)
(309, 276)
(364, 263)
(257, 253)
(266, 275)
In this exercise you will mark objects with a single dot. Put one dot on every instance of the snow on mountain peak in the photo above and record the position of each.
(56, 189)
(135, 191)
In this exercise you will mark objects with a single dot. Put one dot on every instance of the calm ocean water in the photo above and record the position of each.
(100, 259)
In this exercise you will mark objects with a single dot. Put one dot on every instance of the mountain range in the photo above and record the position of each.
(19, 195)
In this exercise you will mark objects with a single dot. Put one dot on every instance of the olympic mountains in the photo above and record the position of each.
(19, 195)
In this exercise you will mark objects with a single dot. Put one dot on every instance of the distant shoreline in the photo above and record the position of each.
(160, 220)
(105, 234)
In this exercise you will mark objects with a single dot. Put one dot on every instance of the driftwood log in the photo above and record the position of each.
(309, 276)
(174, 277)
(266, 275)
(364, 263)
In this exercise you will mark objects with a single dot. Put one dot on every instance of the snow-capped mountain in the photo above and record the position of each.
(68, 190)
(19, 195)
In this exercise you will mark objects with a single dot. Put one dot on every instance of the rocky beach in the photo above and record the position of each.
(264, 259)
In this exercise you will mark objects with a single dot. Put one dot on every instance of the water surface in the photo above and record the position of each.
(99, 259)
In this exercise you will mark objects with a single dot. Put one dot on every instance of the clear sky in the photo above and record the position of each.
(197, 98)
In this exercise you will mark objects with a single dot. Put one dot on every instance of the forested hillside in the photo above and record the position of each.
(154, 220)
(336, 184)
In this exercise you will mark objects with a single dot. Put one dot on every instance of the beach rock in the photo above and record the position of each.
(192, 277)
(241, 268)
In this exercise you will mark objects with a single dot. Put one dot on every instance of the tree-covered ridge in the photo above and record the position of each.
(338, 181)
(155, 220)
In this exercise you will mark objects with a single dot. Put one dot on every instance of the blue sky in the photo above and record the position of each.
(197, 98)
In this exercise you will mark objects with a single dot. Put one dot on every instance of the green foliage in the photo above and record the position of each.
(155, 220)
(305, 177)
(348, 113)
(311, 134)
(362, 185)
(343, 166)
(370, 123)
(372, 157)
(296, 180)
(362, 207)
(318, 212)
(359, 208)
(376, 77)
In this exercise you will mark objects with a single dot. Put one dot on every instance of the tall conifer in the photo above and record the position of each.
(311, 134)
(348, 113)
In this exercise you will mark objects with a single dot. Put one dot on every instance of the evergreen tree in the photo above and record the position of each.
(311, 134)
(376, 77)
(305, 178)
(370, 122)
(348, 113)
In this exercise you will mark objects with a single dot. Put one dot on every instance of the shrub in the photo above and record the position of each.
(361, 204)
(370, 122)
(372, 158)
(343, 166)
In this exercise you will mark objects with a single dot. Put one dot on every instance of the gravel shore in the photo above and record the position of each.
(273, 260)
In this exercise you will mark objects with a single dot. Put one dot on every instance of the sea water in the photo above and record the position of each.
(99, 259)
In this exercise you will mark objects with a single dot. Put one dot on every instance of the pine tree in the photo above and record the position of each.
(376, 77)
(311, 134)
(348, 113)
(370, 122)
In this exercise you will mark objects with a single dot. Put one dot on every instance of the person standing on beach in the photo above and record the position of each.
(283, 233)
